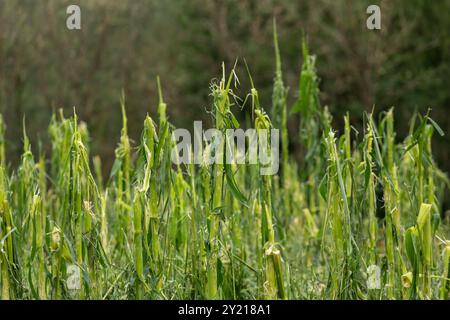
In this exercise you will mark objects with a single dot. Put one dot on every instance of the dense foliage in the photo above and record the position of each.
(360, 203)
(126, 44)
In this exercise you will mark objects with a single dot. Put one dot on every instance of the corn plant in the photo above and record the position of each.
(359, 217)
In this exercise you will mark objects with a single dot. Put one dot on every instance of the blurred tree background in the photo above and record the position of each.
(126, 44)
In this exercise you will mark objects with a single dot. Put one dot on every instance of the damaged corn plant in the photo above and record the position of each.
(360, 216)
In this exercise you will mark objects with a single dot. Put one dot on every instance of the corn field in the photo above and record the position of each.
(360, 217)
